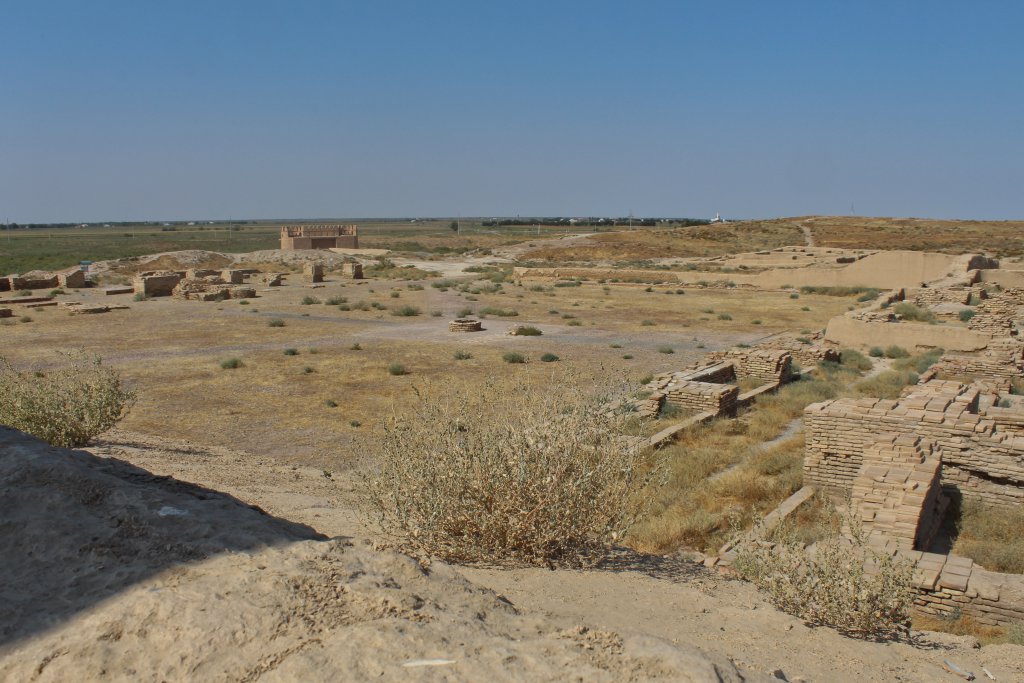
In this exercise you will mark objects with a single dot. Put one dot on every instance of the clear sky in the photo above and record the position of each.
(121, 110)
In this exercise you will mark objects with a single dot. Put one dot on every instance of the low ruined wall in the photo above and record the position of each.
(719, 399)
(313, 272)
(72, 278)
(156, 285)
(1004, 278)
(949, 585)
(846, 331)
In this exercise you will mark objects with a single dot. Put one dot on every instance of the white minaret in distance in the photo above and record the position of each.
(717, 218)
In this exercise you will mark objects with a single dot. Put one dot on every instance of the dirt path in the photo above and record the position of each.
(808, 235)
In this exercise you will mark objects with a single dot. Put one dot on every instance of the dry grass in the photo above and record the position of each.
(711, 240)
(720, 473)
(991, 537)
(964, 625)
(921, 234)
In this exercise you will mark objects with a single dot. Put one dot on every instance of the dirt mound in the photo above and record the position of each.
(169, 260)
(112, 572)
(288, 260)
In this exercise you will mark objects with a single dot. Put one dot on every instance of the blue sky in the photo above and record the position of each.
(116, 110)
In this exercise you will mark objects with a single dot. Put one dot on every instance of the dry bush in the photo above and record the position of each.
(843, 583)
(67, 405)
(506, 473)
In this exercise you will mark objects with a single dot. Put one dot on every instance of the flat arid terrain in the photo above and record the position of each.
(220, 531)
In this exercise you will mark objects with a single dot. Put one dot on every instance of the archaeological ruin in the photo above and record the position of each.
(294, 237)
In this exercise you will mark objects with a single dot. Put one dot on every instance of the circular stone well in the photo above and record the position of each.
(464, 325)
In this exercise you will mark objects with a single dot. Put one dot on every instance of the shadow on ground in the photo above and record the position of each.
(76, 529)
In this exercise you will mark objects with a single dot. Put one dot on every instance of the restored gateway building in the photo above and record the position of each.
(319, 237)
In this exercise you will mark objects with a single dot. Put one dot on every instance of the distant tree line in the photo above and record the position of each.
(595, 222)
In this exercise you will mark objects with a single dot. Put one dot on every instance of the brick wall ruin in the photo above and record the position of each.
(295, 237)
(982, 451)
(896, 491)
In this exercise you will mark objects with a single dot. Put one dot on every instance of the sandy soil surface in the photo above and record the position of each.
(671, 598)
(112, 573)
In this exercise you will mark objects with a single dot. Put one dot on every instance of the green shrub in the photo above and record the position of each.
(243, 302)
(464, 477)
(755, 322)
(291, 352)
(966, 315)
(724, 316)
(275, 322)
(68, 405)
(500, 312)
(666, 349)
(25, 319)
(627, 357)
(395, 294)
(574, 323)
(405, 311)
(794, 295)
(514, 357)
(139, 296)
(309, 300)
(355, 347)
(56, 292)
(397, 369)
(331, 403)
(231, 364)
(615, 346)
(876, 352)
(913, 313)
(308, 370)
(526, 331)
(462, 355)
(465, 312)
(548, 358)
(336, 301)
(896, 352)
(647, 323)
(855, 360)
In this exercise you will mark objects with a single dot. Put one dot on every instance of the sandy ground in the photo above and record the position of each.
(112, 573)
(670, 598)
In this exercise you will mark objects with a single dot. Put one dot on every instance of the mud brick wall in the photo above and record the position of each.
(33, 280)
(156, 284)
(231, 276)
(947, 585)
(997, 314)
(352, 270)
(313, 272)
(896, 491)
(767, 365)
(719, 399)
(926, 297)
(73, 278)
(979, 460)
(464, 325)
